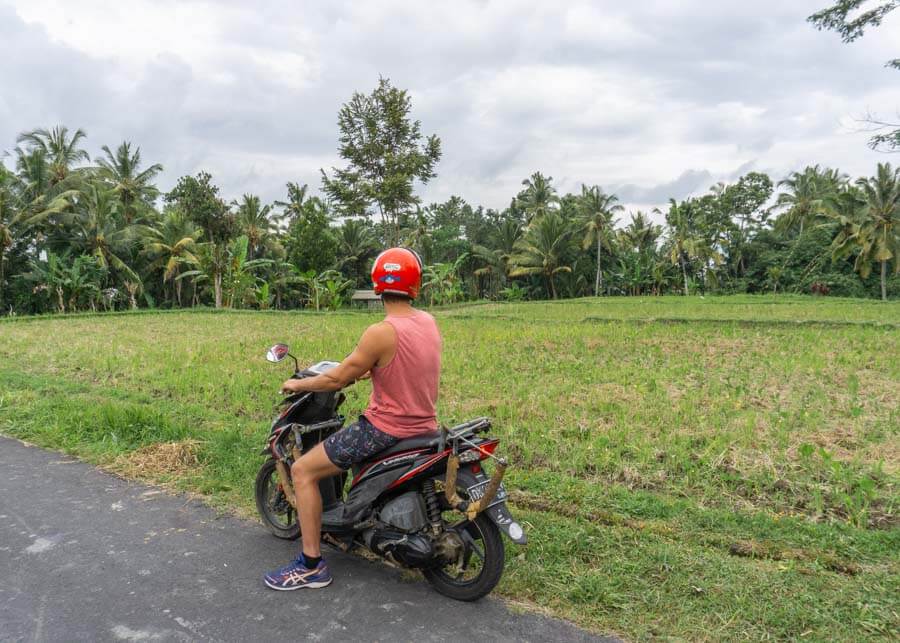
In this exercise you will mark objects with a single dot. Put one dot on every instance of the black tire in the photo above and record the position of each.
(492, 568)
(274, 509)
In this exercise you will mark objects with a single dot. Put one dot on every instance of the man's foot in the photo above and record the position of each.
(297, 575)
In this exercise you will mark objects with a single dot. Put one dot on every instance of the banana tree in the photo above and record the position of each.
(442, 283)
(240, 278)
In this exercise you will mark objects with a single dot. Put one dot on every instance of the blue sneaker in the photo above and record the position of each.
(296, 575)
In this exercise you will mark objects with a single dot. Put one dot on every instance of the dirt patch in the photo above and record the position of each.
(535, 503)
(167, 459)
(771, 551)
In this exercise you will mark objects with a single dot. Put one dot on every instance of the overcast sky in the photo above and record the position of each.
(652, 99)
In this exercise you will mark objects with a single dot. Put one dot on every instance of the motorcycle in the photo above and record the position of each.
(426, 503)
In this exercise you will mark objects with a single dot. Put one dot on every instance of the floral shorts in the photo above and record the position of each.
(357, 443)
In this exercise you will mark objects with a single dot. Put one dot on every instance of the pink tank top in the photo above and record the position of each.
(404, 392)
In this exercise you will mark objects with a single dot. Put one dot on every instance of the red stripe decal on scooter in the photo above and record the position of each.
(363, 472)
(409, 474)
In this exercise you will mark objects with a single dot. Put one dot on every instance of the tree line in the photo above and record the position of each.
(96, 233)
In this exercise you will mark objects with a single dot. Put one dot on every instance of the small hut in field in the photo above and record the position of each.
(366, 299)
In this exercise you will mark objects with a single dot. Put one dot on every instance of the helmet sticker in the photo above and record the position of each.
(389, 279)
(391, 267)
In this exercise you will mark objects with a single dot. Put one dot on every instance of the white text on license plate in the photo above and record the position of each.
(476, 492)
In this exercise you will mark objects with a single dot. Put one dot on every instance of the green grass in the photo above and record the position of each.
(706, 479)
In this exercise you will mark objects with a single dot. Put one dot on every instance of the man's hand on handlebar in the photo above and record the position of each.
(291, 386)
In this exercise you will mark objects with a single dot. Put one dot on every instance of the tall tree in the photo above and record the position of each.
(851, 18)
(597, 210)
(386, 152)
(744, 203)
(61, 150)
(133, 185)
(254, 222)
(806, 197)
(683, 238)
(356, 245)
(198, 198)
(172, 244)
(97, 229)
(543, 249)
(309, 240)
(539, 196)
(296, 201)
(495, 258)
(873, 231)
(641, 233)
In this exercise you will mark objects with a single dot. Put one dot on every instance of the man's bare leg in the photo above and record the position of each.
(306, 473)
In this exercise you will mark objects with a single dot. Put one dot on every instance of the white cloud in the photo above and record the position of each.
(657, 95)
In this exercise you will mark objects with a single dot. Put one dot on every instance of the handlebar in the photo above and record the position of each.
(475, 426)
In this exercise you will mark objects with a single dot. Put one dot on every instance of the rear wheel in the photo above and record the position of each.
(476, 567)
(272, 503)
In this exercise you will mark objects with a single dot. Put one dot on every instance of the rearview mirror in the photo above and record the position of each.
(277, 353)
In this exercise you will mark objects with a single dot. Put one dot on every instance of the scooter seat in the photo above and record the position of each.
(427, 440)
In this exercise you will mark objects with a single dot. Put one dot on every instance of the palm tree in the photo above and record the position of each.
(542, 250)
(638, 261)
(296, 201)
(171, 244)
(26, 201)
(61, 150)
(495, 257)
(96, 229)
(33, 173)
(597, 210)
(538, 197)
(211, 267)
(807, 196)
(680, 221)
(280, 275)
(253, 220)
(416, 234)
(357, 243)
(873, 230)
(641, 233)
(130, 183)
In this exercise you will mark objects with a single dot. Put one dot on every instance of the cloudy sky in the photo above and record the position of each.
(652, 99)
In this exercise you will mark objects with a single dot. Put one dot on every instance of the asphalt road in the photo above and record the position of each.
(85, 556)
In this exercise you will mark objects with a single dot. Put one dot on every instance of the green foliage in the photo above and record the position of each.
(441, 282)
(310, 242)
(871, 228)
(543, 249)
(386, 152)
(824, 234)
(199, 199)
(327, 289)
(837, 17)
(132, 185)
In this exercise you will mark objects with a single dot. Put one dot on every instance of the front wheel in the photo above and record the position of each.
(272, 503)
(479, 565)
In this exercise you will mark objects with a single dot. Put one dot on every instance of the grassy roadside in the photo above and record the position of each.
(702, 480)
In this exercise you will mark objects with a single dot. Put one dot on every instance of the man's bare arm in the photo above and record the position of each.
(376, 343)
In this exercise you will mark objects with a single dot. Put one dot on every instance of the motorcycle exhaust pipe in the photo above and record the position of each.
(471, 509)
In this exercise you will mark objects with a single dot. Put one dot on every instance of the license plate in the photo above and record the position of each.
(476, 492)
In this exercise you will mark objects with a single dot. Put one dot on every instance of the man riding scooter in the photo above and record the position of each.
(402, 355)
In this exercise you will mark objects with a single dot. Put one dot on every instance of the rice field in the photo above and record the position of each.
(708, 469)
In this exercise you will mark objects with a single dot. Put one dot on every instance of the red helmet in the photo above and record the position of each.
(397, 271)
